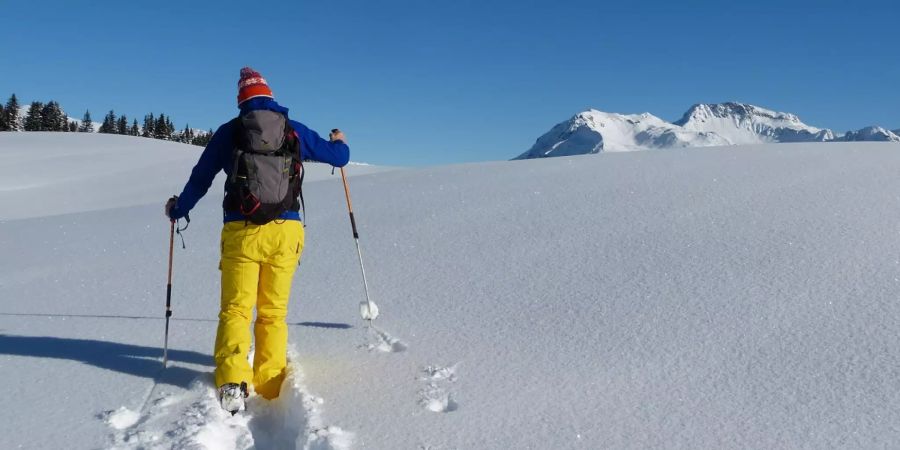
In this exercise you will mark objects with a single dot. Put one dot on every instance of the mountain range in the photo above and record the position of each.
(703, 125)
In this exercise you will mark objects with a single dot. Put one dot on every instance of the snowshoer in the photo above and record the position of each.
(261, 151)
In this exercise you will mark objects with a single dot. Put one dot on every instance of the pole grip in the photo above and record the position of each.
(168, 301)
(353, 224)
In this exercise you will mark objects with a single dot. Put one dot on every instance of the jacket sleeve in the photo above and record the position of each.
(211, 162)
(317, 149)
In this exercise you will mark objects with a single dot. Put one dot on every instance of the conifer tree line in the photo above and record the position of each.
(51, 117)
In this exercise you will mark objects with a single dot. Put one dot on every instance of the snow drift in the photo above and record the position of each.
(694, 298)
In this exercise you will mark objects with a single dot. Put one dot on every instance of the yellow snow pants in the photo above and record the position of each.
(258, 263)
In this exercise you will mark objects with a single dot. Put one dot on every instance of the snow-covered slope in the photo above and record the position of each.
(702, 125)
(46, 173)
(694, 298)
(747, 124)
(874, 134)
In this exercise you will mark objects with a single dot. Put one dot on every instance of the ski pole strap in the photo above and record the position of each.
(187, 219)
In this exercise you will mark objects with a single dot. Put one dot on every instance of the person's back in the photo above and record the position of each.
(260, 251)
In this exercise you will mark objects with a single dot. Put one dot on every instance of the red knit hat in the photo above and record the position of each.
(252, 84)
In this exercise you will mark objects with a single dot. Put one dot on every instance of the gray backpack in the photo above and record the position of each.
(266, 169)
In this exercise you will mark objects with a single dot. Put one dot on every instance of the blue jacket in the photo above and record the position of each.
(217, 155)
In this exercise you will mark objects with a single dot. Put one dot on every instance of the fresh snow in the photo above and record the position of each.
(703, 125)
(740, 297)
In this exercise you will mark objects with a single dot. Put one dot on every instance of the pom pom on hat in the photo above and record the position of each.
(251, 85)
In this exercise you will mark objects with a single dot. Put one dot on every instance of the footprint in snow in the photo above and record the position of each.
(435, 396)
(121, 418)
(439, 373)
(379, 340)
(436, 399)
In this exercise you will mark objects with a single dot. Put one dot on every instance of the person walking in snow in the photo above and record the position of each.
(261, 151)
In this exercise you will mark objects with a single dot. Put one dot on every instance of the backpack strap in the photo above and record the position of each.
(302, 169)
(236, 144)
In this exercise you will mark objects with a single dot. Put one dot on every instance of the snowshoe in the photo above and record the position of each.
(232, 395)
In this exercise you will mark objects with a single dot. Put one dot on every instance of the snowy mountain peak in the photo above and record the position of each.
(876, 134)
(593, 131)
(704, 111)
(742, 123)
(704, 124)
(599, 120)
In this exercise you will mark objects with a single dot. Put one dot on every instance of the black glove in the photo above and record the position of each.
(170, 205)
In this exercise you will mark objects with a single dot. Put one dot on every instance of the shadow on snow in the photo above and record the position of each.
(124, 358)
(328, 325)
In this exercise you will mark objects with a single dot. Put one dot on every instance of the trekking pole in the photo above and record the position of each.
(368, 310)
(169, 294)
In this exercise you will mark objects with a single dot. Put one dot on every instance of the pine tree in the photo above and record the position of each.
(2, 119)
(33, 120)
(202, 138)
(149, 123)
(134, 130)
(109, 123)
(87, 125)
(48, 117)
(187, 136)
(11, 114)
(161, 128)
(62, 120)
(122, 125)
(52, 118)
(73, 126)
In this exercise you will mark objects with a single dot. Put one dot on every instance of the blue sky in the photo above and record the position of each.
(417, 83)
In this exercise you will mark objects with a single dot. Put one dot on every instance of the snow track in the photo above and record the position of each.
(194, 420)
